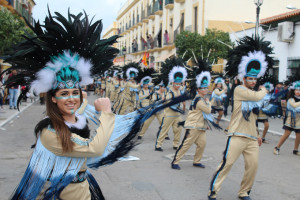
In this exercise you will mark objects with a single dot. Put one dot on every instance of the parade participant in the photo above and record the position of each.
(196, 123)
(119, 98)
(131, 71)
(262, 117)
(172, 116)
(64, 148)
(250, 60)
(103, 87)
(217, 98)
(116, 86)
(227, 98)
(292, 118)
(156, 96)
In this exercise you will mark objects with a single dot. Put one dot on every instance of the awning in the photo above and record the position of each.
(163, 57)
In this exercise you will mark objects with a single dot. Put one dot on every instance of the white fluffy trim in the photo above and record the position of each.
(256, 55)
(200, 76)
(131, 69)
(219, 79)
(46, 77)
(146, 78)
(296, 84)
(271, 86)
(116, 73)
(175, 70)
(80, 123)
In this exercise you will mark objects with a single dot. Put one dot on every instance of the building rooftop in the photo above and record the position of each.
(282, 17)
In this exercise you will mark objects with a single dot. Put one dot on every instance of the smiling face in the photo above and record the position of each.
(297, 93)
(67, 101)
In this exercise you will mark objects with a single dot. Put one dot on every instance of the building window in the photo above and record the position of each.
(196, 19)
(293, 66)
(182, 23)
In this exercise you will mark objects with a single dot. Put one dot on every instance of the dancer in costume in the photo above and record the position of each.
(116, 86)
(158, 95)
(64, 147)
(196, 123)
(217, 98)
(250, 59)
(103, 88)
(292, 118)
(262, 117)
(176, 73)
(129, 96)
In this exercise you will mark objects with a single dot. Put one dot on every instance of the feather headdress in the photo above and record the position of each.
(167, 67)
(145, 75)
(250, 58)
(70, 46)
(131, 70)
(219, 80)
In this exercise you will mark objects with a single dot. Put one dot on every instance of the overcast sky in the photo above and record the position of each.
(102, 9)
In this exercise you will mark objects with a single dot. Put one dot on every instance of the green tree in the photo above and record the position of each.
(11, 29)
(208, 44)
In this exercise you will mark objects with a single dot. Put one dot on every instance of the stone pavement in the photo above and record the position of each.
(151, 178)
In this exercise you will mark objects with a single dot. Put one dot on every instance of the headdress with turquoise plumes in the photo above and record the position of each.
(295, 85)
(62, 53)
(145, 76)
(131, 70)
(250, 58)
(167, 66)
(203, 79)
(219, 80)
(269, 86)
(200, 75)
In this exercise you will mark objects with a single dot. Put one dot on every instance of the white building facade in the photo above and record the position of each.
(283, 31)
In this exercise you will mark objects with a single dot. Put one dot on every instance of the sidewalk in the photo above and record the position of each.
(7, 114)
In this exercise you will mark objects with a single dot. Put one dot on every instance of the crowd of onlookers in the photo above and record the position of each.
(9, 93)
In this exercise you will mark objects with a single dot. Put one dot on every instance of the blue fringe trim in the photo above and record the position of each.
(249, 106)
(43, 166)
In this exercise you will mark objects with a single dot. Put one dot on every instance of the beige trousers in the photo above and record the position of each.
(235, 147)
(192, 136)
(147, 123)
(125, 105)
(166, 124)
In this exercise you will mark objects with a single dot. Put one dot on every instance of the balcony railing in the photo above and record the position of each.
(10, 2)
(23, 12)
(158, 5)
(143, 15)
(137, 18)
(150, 10)
(167, 2)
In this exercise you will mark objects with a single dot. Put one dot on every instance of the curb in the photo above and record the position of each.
(15, 114)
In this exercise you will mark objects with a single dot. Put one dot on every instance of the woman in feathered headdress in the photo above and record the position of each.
(217, 97)
(174, 71)
(129, 95)
(292, 118)
(249, 60)
(198, 118)
(61, 58)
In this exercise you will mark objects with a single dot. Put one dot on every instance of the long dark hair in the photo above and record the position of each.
(56, 120)
(291, 94)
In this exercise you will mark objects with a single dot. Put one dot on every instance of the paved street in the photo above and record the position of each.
(151, 178)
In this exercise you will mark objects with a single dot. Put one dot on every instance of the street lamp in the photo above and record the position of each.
(258, 3)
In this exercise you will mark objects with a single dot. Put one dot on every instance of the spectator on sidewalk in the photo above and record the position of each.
(13, 90)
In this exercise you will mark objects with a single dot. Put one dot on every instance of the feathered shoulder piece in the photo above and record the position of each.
(250, 58)
(73, 42)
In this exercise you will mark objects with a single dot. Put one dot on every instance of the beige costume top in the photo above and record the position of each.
(128, 94)
(195, 118)
(238, 125)
(168, 111)
(144, 98)
(289, 121)
(214, 103)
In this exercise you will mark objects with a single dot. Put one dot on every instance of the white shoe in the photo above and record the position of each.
(276, 151)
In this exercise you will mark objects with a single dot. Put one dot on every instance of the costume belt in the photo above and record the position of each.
(80, 177)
